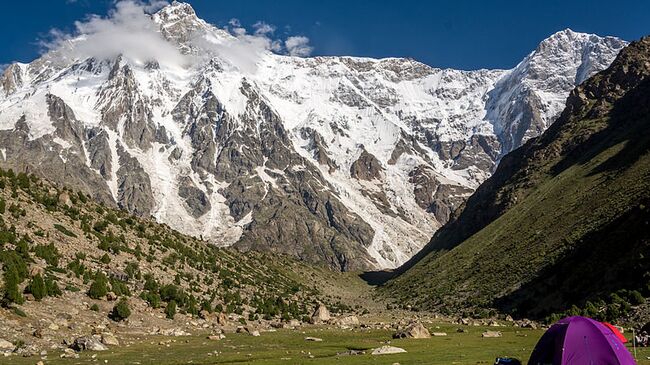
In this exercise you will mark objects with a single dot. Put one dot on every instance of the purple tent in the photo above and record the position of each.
(580, 341)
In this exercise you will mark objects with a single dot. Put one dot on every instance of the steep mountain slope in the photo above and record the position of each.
(353, 162)
(564, 219)
(69, 240)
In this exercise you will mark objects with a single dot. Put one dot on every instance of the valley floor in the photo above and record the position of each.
(290, 347)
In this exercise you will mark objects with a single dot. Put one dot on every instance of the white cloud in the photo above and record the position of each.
(154, 5)
(127, 30)
(262, 28)
(298, 46)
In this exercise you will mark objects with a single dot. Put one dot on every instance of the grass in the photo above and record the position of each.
(289, 347)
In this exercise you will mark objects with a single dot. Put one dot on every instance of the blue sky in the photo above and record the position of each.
(460, 34)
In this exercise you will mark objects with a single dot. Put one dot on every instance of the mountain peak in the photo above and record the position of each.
(178, 23)
(177, 9)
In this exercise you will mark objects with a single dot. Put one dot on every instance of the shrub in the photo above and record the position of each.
(105, 259)
(94, 308)
(52, 287)
(77, 267)
(65, 231)
(100, 226)
(636, 298)
(152, 298)
(133, 270)
(120, 311)
(120, 288)
(37, 287)
(170, 310)
(72, 288)
(150, 283)
(99, 287)
(49, 253)
(172, 292)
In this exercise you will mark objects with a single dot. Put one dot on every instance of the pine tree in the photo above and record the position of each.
(99, 287)
(170, 310)
(37, 287)
(12, 293)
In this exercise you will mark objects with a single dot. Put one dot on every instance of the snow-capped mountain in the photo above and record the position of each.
(352, 162)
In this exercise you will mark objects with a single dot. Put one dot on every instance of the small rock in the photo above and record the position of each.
(255, 333)
(439, 334)
(385, 350)
(491, 334)
(313, 339)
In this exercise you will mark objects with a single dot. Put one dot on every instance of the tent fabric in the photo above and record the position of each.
(616, 331)
(580, 341)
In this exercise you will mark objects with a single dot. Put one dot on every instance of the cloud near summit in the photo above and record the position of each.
(128, 30)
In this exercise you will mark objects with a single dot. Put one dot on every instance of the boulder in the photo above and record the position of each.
(491, 334)
(414, 330)
(321, 315)
(69, 354)
(255, 333)
(222, 320)
(64, 199)
(88, 343)
(294, 323)
(109, 339)
(347, 321)
(386, 350)
(527, 323)
(6, 345)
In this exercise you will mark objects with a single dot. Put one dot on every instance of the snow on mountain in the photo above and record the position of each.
(352, 162)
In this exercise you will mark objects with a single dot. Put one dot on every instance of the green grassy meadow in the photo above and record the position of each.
(290, 347)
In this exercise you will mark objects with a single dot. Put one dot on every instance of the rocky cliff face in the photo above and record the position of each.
(353, 162)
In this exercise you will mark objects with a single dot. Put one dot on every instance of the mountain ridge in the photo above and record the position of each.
(375, 154)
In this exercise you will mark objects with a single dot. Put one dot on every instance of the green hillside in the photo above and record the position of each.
(564, 219)
(57, 244)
